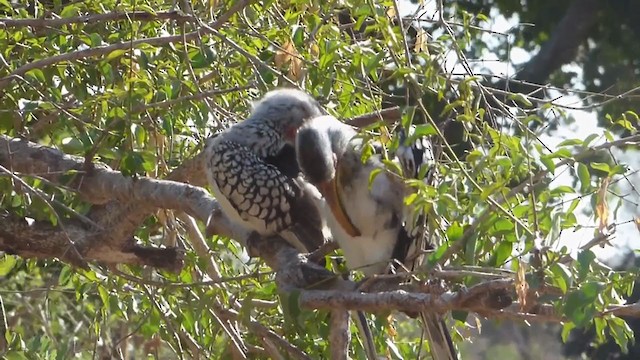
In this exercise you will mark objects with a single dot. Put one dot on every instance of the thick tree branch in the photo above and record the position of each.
(488, 295)
(561, 48)
(99, 185)
(44, 241)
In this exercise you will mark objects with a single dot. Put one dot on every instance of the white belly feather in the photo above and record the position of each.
(370, 252)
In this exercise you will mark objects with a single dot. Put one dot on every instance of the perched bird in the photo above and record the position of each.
(368, 220)
(253, 173)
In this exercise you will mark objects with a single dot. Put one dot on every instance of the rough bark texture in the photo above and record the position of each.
(105, 241)
(340, 336)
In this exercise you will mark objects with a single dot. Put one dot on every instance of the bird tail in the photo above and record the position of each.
(439, 338)
(367, 337)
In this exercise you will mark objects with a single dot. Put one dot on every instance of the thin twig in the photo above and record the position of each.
(103, 50)
(95, 18)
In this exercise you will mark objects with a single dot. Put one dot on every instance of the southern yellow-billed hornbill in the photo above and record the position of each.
(253, 173)
(368, 220)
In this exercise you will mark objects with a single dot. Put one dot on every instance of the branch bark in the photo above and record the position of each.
(561, 48)
(101, 242)
(44, 241)
(340, 335)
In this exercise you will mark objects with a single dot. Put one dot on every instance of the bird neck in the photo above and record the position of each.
(257, 136)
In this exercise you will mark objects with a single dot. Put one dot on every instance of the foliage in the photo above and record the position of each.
(146, 106)
(595, 343)
(607, 57)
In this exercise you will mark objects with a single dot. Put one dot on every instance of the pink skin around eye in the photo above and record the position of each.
(290, 134)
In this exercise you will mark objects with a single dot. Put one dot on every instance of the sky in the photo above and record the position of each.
(585, 124)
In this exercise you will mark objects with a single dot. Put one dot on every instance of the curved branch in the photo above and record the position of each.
(44, 241)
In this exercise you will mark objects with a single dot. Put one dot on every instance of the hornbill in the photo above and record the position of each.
(368, 220)
(253, 172)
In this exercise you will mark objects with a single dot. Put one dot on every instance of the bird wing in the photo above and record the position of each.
(264, 197)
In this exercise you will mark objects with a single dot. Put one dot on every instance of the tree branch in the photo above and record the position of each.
(571, 32)
(339, 335)
(44, 241)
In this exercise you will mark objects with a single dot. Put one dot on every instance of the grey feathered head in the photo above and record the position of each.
(319, 143)
(286, 110)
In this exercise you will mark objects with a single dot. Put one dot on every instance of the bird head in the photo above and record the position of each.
(320, 143)
(314, 152)
(285, 110)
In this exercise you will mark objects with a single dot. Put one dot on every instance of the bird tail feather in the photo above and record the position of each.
(439, 338)
(367, 337)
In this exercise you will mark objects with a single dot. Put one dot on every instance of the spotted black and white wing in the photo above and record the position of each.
(414, 155)
(258, 194)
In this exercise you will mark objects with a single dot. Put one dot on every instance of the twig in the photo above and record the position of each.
(103, 50)
(264, 332)
(200, 246)
(388, 116)
(339, 335)
(94, 18)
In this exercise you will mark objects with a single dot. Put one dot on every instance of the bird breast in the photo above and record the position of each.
(372, 209)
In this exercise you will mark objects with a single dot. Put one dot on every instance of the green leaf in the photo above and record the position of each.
(585, 259)
(521, 99)
(571, 142)
(37, 74)
(423, 130)
(561, 276)
(145, 8)
(115, 54)
(298, 36)
(563, 153)
(474, 156)
(70, 11)
(601, 166)
(589, 139)
(566, 330)
(65, 276)
(96, 39)
(373, 174)
(7, 263)
(460, 315)
(585, 178)
(563, 189)
(621, 333)
(470, 250)
(548, 163)
(454, 232)
(503, 252)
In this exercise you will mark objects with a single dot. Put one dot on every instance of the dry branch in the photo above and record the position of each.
(98, 185)
(340, 335)
(44, 241)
